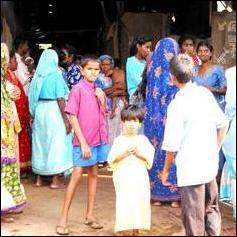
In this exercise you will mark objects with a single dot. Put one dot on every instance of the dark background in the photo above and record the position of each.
(81, 22)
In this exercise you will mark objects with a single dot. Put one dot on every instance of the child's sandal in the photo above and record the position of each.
(93, 224)
(62, 230)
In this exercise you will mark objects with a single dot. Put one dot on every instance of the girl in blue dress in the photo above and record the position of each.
(212, 77)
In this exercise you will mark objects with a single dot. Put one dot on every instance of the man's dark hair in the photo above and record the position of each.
(132, 112)
(138, 40)
(71, 50)
(186, 37)
(182, 67)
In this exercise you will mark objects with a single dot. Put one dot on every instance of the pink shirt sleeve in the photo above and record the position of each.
(73, 104)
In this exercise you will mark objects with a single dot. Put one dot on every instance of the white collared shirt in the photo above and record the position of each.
(191, 130)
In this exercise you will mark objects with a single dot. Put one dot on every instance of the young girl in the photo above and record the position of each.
(130, 157)
(86, 109)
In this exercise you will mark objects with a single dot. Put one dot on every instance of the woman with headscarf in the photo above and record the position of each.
(51, 138)
(12, 192)
(159, 94)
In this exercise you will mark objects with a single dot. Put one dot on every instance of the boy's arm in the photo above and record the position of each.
(86, 152)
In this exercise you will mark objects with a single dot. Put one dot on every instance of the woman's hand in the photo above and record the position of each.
(15, 93)
(67, 126)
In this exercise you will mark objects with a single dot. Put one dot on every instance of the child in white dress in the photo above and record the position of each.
(130, 157)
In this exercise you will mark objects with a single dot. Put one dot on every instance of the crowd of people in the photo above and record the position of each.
(166, 120)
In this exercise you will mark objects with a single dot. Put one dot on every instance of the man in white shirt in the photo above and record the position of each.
(22, 48)
(194, 132)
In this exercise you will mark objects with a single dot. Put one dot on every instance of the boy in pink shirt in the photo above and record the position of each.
(86, 109)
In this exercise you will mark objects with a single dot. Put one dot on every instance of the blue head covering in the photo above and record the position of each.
(107, 57)
(48, 64)
(159, 89)
(159, 94)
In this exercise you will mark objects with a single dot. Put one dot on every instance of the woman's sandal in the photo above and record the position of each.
(60, 186)
(62, 230)
(93, 224)
(157, 203)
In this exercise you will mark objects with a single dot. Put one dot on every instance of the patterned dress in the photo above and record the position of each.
(158, 96)
(12, 192)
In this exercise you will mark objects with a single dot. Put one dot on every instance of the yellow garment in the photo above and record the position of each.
(12, 195)
(131, 182)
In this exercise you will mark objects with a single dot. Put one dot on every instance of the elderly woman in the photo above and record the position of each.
(51, 138)
(112, 81)
(159, 94)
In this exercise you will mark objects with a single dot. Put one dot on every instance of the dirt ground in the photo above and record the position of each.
(44, 205)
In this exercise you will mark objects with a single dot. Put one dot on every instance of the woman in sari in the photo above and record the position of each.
(12, 192)
(51, 138)
(22, 107)
(159, 94)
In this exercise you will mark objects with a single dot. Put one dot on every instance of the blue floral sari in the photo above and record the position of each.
(159, 94)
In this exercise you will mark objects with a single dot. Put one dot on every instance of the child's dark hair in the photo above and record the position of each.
(88, 58)
(184, 38)
(138, 40)
(132, 112)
